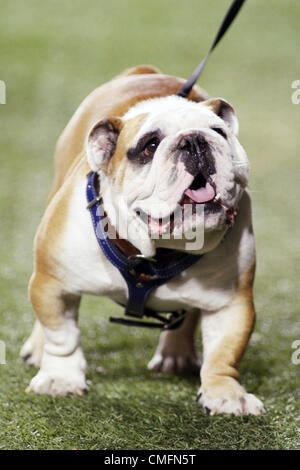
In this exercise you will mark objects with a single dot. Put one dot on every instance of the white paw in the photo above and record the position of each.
(53, 384)
(60, 375)
(246, 404)
(176, 363)
(32, 351)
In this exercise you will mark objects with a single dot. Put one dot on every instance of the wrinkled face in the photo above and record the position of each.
(168, 169)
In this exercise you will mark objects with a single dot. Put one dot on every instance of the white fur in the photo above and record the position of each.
(63, 365)
(156, 106)
(246, 404)
(60, 375)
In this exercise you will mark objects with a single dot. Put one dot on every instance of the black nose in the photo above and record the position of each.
(196, 154)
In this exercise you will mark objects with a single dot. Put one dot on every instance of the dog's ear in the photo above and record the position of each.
(225, 111)
(102, 141)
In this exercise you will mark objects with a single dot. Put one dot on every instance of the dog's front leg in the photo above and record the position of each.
(63, 365)
(176, 351)
(225, 334)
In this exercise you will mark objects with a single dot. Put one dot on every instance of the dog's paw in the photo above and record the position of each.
(175, 363)
(246, 404)
(51, 383)
(60, 375)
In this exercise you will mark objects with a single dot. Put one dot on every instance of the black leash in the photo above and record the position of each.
(230, 16)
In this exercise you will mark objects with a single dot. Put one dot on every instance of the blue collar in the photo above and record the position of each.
(141, 274)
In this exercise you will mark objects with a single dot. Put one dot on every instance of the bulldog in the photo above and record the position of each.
(154, 153)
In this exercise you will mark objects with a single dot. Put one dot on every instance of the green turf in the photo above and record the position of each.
(53, 53)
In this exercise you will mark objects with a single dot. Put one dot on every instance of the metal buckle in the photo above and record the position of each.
(93, 202)
(148, 258)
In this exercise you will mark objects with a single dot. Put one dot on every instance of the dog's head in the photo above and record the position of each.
(168, 167)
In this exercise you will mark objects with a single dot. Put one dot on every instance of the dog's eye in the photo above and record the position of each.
(151, 146)
(219, 131)
(145, 148)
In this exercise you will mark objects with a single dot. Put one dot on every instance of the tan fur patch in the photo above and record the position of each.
(55, 217)
(127, 134)
(46, 298)
(140, 70)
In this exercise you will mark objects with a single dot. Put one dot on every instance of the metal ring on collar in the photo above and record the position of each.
(148, 258)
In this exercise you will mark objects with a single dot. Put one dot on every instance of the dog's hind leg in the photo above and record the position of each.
(32, 350)
(63, 365)
(176, 351)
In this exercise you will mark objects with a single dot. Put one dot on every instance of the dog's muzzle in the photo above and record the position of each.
(199, 162)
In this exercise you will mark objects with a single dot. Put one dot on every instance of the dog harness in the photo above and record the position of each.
(142, 275)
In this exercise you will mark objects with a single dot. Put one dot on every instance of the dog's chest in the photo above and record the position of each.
(89, 272)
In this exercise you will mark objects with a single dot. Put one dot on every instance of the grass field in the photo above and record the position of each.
(53, 53)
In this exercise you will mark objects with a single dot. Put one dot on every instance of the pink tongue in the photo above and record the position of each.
(202, 194)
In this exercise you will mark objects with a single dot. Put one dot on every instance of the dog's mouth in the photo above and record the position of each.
(201, 191)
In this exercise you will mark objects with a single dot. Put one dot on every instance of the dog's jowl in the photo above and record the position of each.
(160, 160)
